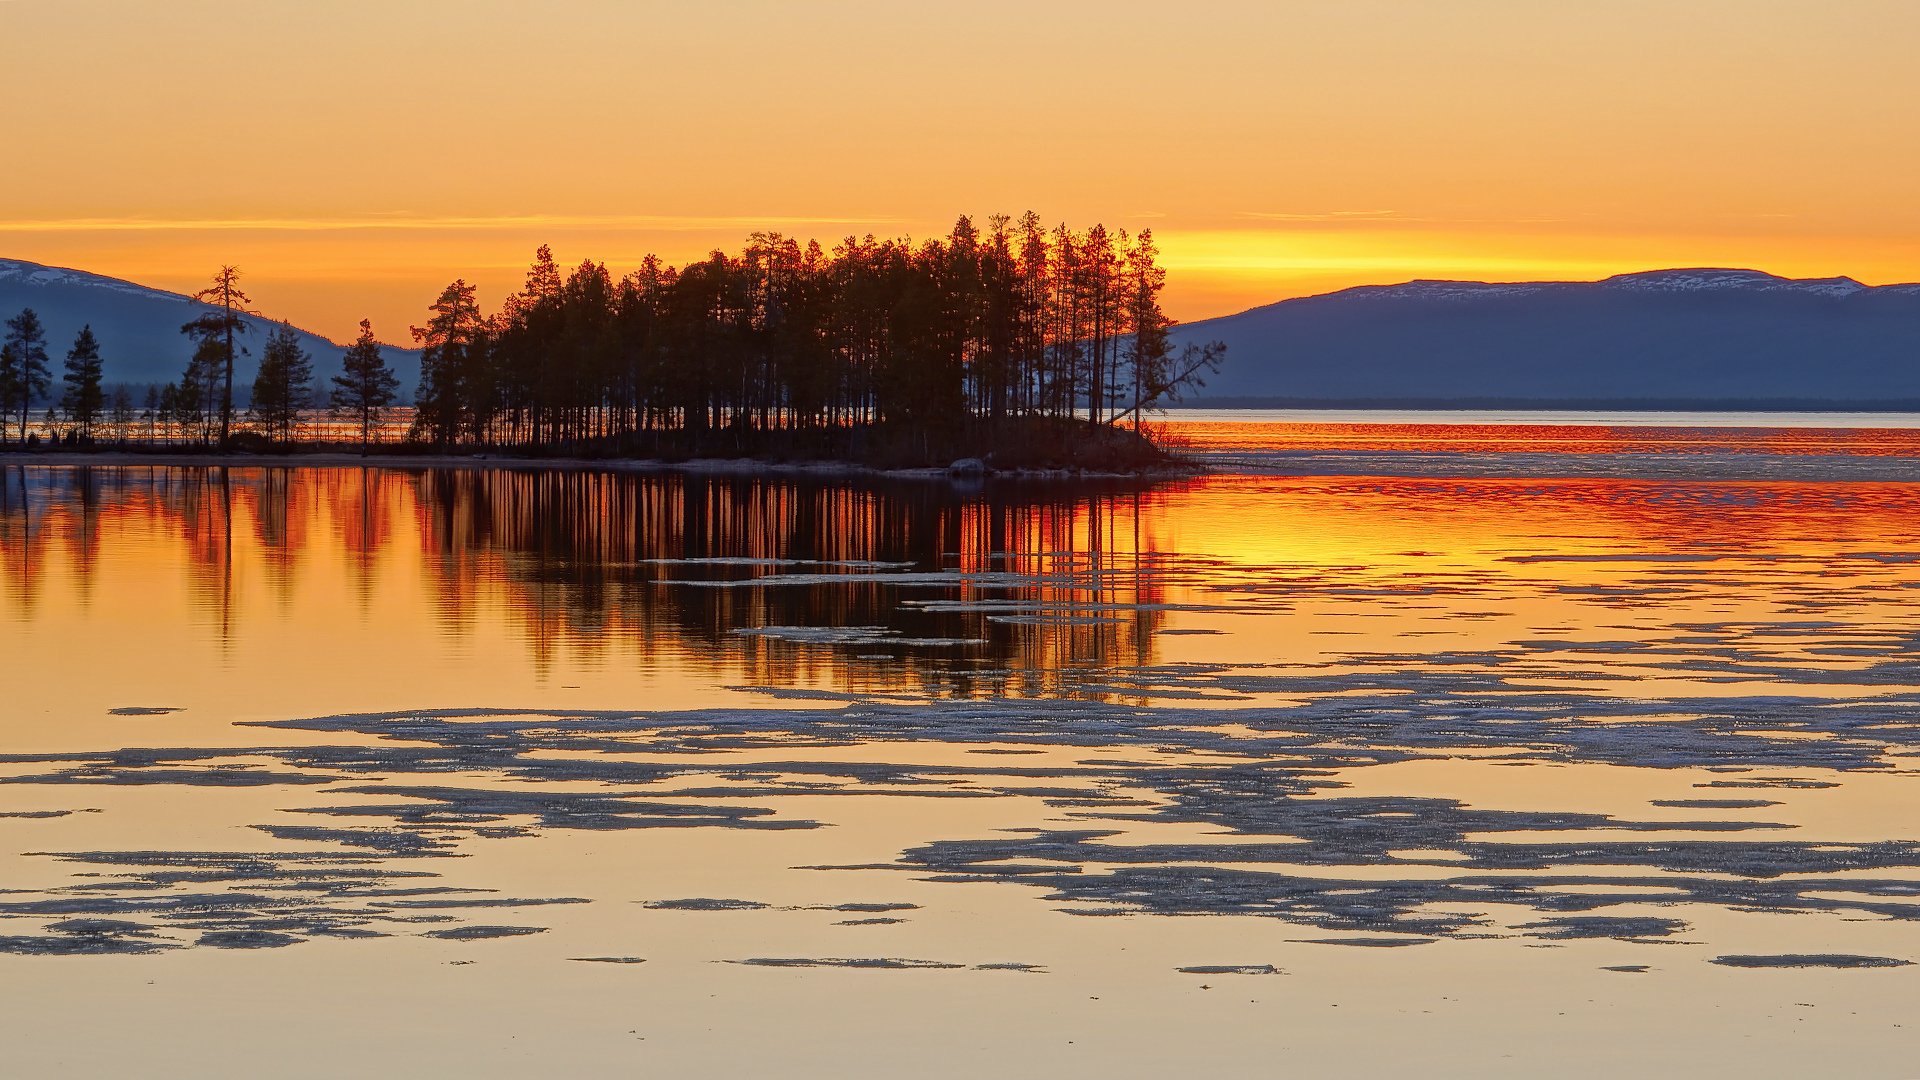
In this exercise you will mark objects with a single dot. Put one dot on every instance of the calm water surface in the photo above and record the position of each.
(1464, 766)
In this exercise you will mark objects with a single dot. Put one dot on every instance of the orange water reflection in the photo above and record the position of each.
(276, 591)
(587, 568)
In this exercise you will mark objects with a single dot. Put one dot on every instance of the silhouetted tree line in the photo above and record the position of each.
(25, 379)
(958, 341)
(788, 344)
(199, 406)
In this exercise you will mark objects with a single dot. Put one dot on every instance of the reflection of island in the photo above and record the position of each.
(968, 592)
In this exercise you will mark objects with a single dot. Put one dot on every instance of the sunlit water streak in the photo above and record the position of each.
(1543, 730)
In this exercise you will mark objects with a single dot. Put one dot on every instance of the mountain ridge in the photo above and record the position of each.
(1673, 279)
(1715, 336)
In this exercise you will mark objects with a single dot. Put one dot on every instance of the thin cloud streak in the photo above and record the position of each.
(401, 223)
(1322, 215)
(1389, 218)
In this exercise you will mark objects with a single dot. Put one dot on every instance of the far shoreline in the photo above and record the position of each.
(747, 468)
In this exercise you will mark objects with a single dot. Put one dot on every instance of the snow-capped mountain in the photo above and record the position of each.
(1677, 338)
(139, 327)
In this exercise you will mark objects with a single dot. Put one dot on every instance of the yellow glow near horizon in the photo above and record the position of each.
(354, 156)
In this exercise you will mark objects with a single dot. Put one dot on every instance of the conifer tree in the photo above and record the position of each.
(120, 412)
(1148, 350)
(168, 410)
(216, 328)
(26, 378)
(9, 379)
(197, 395)
(366, 383)
(448, 355)
(83, 398)
(284, 384)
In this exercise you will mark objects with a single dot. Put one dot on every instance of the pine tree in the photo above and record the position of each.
(9, 379)
(284, 384)
(168, 411)
(83, 400)
(216, 328)
(1148, 351)
(1098, 266)
(120, 413)
(366, 383)
(447, 358)
(25, 377)
(196, 397)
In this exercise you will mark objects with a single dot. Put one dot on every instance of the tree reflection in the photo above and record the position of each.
(647, 569)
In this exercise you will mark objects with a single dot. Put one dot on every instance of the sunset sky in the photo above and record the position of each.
(353, 157)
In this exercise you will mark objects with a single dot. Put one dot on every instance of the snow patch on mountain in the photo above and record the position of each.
(1713, 279)
(19, 272)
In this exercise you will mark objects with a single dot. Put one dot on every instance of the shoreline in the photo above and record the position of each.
(712, 467)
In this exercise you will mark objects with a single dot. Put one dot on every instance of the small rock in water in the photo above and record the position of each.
(969, 467)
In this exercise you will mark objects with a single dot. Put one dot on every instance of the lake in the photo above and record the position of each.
(1464, 745)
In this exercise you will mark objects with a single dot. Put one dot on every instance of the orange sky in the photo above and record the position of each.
(352, 157)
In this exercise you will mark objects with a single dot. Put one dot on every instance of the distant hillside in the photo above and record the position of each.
(1673, 338)
(139, 327)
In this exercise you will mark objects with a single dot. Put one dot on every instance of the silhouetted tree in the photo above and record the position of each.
(83, 398)
(365, 384)
(1147, 352)
(283, 385)
(451, 395)
(216, 328)
(196, 400)
(120, 413)
(169, 411)
(24, 378)
(9, 383)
